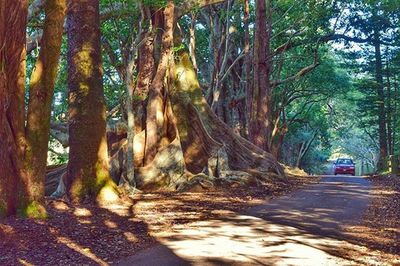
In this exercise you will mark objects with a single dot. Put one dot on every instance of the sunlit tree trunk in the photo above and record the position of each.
(88, 174)
(12, 111)
(192, 39)
(155, 105)
(40, 98)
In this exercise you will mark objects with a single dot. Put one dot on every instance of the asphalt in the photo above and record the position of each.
(303, 228)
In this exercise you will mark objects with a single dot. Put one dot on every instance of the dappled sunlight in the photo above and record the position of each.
(110, 224)
(60, 205)
(84, 61)
(82, 250)
(25, 262)
(130, 237)
(82, 212)
(240, 238)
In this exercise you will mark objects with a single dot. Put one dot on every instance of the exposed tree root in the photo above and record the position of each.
(198, 150)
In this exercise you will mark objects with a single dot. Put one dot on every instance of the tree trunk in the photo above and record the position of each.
(248, 88)
(389, 110)
(156, 105)
(260, 121)
(88, 174)
(40, 98)
(192, 39)
(145, 67)
(13, 181)
(201, 131)
(383, 147)
(187, 137)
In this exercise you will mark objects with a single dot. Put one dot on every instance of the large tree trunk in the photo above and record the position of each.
(260, 118)
(88, 174)
(202, 132)
(13, 15)
(40, 98)
(183, 138)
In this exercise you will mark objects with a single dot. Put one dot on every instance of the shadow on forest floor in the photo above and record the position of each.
(183, 226)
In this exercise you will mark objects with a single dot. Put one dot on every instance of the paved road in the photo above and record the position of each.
(304, 228)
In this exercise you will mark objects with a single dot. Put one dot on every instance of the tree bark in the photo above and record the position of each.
(383, 146)
(145, 67)
(40, 98)
(389, 110)
(192, 39)
(13, 182)
(260, 121)
(88, 171)
(248, 88)
(155, 105)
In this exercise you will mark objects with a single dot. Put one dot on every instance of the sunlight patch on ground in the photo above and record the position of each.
(82, 212)
(251, 240)
(82, 250)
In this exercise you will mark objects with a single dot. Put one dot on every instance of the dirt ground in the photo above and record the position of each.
(380, 228)
(88, 234)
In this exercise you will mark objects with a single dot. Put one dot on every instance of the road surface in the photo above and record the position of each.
(304, 228)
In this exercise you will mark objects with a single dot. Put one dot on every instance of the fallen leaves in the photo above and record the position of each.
(92, 235)
(380, 228)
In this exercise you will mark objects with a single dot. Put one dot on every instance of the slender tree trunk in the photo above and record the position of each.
(145, 67)
(130, 171)
(88, 174)
(383, 147)
(394, 122)
(192, 42)
(248, 88)
(13, 14)
(389, 107)
(40, 98)
(260, 126)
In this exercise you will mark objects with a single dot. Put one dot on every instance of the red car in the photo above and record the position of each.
(344, 166)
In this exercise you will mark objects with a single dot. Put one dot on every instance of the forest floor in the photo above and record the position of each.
(380, 227)
(88, 234)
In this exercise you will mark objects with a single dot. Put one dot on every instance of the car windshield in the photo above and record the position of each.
(344, 161)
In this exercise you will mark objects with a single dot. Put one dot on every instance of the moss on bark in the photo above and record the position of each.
(88, 175)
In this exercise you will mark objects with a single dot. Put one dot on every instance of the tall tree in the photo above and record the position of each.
(88, 175)
(260, 121)
(40, 98)
(13, 15)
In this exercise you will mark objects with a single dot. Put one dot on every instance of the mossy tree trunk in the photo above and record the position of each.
(88, 170)
(40, 98)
